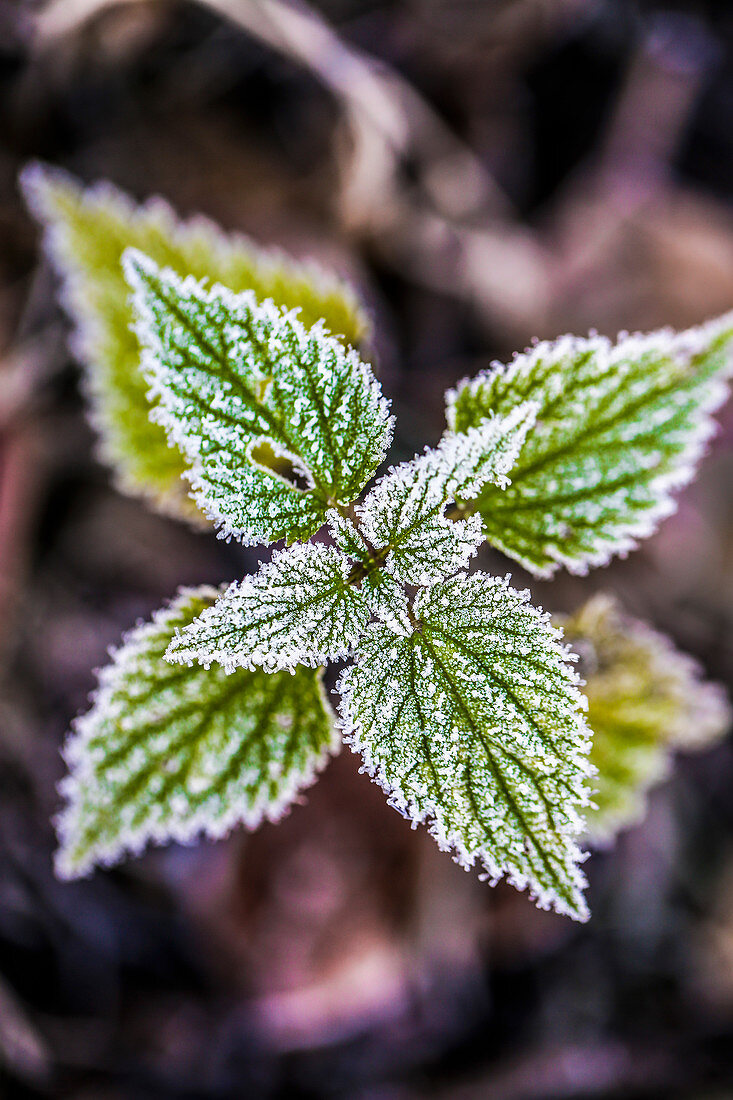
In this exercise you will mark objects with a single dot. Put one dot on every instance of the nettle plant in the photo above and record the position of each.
(218, 367)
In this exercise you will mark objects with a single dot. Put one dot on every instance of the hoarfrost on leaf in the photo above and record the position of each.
(404, 512)
(234, 379)
(168, 752)
(618, 428)
(474, 724)
(348, 537)
(645, 700)
(298, 609)
(86, 232)
(388, 600)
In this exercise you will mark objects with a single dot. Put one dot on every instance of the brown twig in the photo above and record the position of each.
(452, 229)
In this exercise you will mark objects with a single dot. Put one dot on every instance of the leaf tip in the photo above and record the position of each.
(69, 866)
(38, 184)
(136, 266)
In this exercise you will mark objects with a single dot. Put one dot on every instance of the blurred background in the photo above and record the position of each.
(485, 171)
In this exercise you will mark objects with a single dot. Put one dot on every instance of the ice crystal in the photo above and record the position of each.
(348, 536)
(404, 512)
(168, 752)
(229, 374)
(298, 609)
(86, 232)
(474, 724)
(388, 600)
(618, 428)
(645, 700)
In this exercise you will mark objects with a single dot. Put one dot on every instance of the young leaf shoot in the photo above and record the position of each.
(461, 696)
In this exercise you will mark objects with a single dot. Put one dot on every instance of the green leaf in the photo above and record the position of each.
(618, 428)
(230, 375)
(645, 699)
(403, 515)
(473, 723)
(298, 609)
(86, 232)
(168, 752)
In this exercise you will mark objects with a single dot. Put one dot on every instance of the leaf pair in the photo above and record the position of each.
(619, 426)
(86, 232)
(458, 723)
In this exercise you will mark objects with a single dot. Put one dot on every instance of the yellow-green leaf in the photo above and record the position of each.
(86, 232)
(645, 700)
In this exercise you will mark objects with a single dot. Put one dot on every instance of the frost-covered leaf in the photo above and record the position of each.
(298, 609)
(87, 230)
(236, 381)
(645, 699)
(405, 510)
(167, 752)
(618, 428)
(474, 723)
